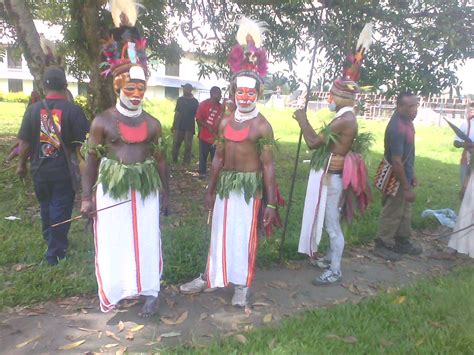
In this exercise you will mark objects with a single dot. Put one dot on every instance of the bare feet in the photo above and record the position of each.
(150, 307)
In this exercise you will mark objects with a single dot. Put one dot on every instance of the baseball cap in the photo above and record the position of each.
(54, 78)
(187, 86)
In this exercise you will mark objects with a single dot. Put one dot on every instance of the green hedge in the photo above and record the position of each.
(14, 97)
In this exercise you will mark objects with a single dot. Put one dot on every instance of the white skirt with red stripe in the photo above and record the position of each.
(234, 241)
(313, 213)
(128, 260)
(463, 239)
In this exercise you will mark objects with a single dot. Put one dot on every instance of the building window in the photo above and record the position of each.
(172, 69)
(171, 93)
(14, 58)
(15, 85)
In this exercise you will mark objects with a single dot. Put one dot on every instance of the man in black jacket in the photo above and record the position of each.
(52, 178)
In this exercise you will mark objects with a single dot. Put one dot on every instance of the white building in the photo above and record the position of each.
(165, 80)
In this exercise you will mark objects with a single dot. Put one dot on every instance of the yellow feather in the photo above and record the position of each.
(127, 7)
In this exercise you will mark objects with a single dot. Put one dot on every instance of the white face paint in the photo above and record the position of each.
(128, 102)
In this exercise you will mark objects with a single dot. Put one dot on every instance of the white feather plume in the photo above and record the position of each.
(250, 27)
(365, 37)
(127, 7)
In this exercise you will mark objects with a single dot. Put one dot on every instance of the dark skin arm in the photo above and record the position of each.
(268, 169)
(399, 171)
(216, 166)
(24, 153)
(312, 139)
(89, 176)
(163, 172)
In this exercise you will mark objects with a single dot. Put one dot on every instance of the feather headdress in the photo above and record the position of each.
(125, 45)
(49, 50)
(354, 59)
(248, 54)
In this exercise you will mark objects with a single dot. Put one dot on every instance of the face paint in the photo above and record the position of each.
(246, 99)
(131, 95)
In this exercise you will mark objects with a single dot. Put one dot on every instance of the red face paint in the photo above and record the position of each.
(134, 92)
(246, 99)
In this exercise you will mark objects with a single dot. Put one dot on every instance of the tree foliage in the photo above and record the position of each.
(418, 43)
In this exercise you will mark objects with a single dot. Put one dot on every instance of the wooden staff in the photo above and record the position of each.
(79, 217)
(316, 38)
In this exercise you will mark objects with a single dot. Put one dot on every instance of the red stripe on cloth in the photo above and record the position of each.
(315, 220)
(135, 239)
(104, 301)
(224, 253)
(253, 242)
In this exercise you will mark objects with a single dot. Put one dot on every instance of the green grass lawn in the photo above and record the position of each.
(185, 238)
(432, 317)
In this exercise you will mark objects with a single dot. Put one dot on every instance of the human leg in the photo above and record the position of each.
(188, 146)
(178, 137)
(43, 195)
(203, 154)
(60, 209)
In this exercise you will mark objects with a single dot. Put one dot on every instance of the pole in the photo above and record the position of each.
(295, 167)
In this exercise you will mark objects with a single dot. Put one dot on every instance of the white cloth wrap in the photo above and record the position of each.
(233, 246)
(313, 213)
(463, 241)
(128, 259)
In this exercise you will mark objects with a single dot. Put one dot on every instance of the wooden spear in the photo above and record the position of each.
(79, 217)
(292, 187)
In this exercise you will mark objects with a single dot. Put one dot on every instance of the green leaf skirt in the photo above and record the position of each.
(251, 184)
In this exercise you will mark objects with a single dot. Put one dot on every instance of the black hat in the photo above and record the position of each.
(187, 86)
(54, 78)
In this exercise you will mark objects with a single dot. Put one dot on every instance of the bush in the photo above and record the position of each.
(14, 97)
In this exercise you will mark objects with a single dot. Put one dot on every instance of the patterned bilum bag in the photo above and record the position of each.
(385, 179)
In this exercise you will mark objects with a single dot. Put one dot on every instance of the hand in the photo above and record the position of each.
(209, 200)
(21, 170)
(269, 216)
(87, 208)
(165, 203)
(300, 115)
(409, 195)
(415, 182)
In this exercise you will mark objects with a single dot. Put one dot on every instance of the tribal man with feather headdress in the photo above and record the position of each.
(126, 169)
(242, 172)
(338, 173)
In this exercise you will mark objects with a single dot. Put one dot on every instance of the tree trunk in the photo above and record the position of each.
(21, 18)
(86, 12)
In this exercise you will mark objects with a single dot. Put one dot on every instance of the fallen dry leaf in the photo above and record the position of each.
(241, 339)
(112, 335)
(72, 345)
(120, 326)
(435, 324)
(137, 328)
(83, 311)
(170, 321)
(419, 342)
(25, 343)
(349, 340)
(129, 336)
(260, 304)
(121, 351)
(203, 316)
(400, 300)
(21, 267)
(171, 303)
(223, 301)
(267, 318)
(110, 346)
(170, 334)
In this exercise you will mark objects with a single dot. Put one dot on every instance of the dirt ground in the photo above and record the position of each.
(277, 293)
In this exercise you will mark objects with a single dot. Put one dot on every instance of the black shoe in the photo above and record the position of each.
(386, 253)
(408, 247)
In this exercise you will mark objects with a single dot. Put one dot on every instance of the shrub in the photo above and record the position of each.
(14, 97)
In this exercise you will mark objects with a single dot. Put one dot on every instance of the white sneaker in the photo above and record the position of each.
(241, 296)
(321, 263)
(328, 277)
(195, 286)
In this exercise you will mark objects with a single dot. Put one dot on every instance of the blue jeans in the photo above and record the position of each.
(56, 200)
(204, 150)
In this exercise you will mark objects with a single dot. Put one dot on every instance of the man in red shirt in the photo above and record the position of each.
(208, 117)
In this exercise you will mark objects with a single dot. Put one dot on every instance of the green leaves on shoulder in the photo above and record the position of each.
(100, 150)
(362, 143)
(320, 156)
(266, 142)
